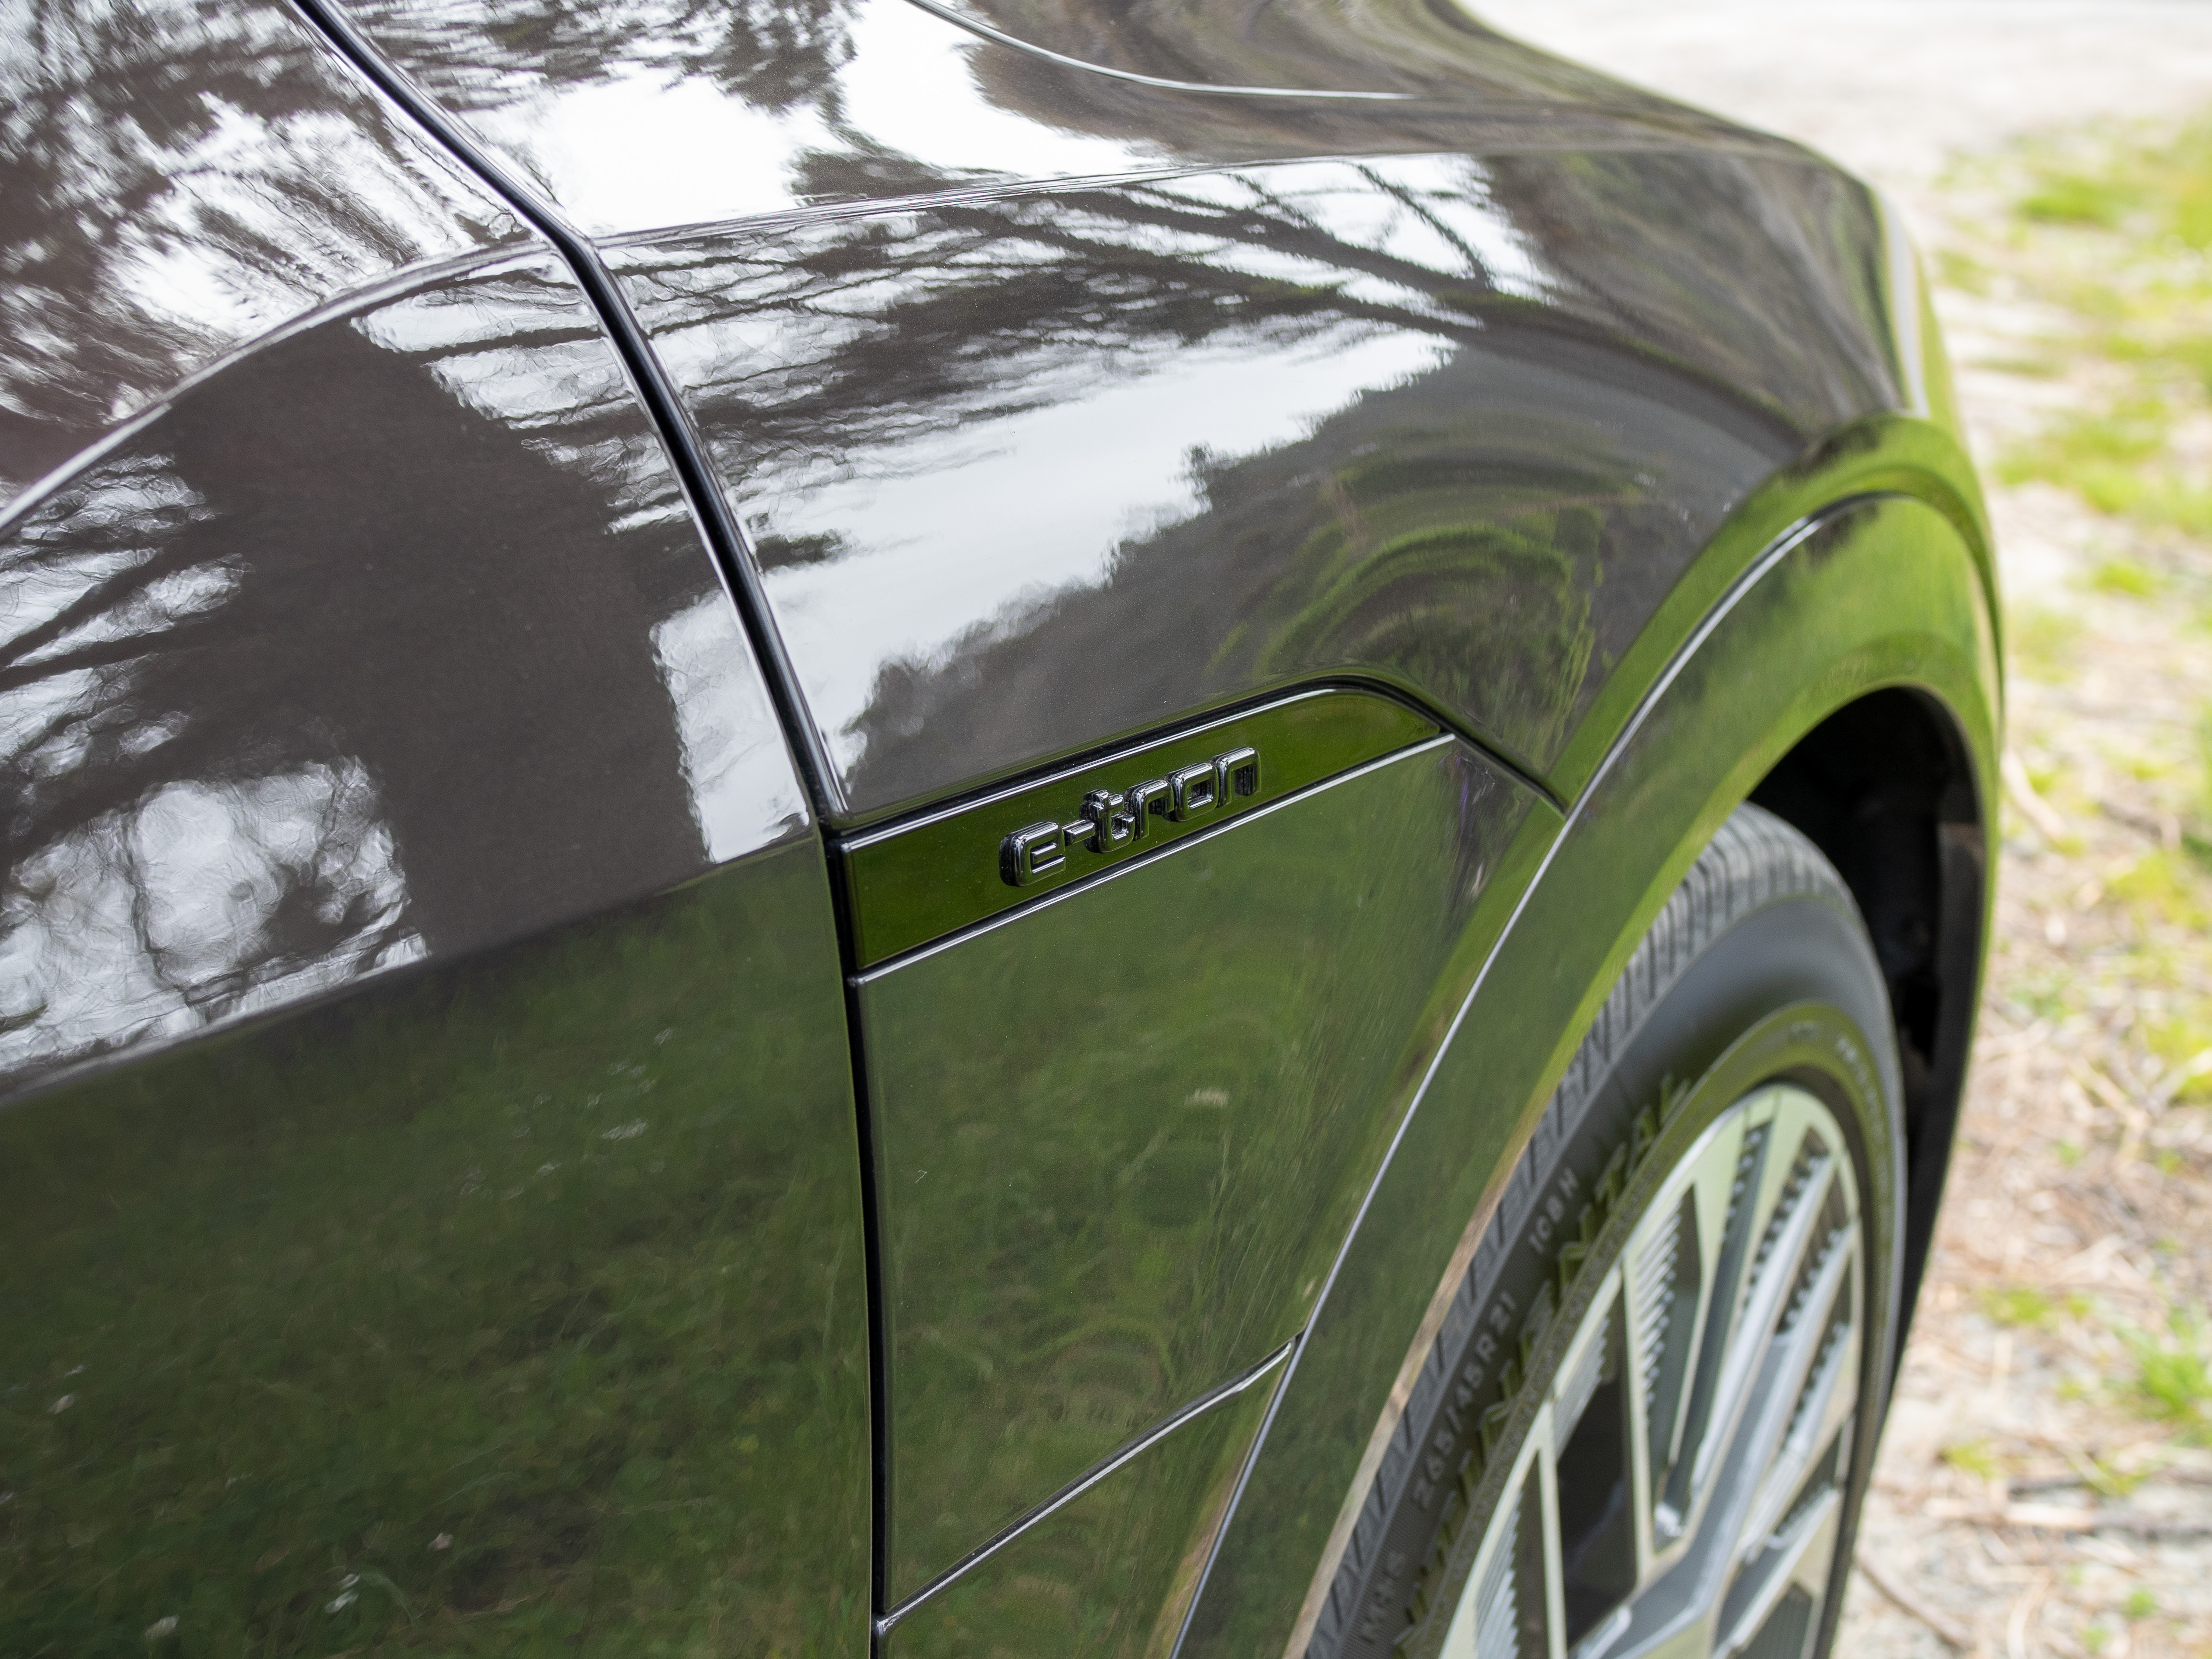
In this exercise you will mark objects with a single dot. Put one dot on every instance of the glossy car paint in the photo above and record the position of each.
(390, 642)
(1119, 1138)
(178, 180)
(644, 114)
(515, 1304)
(442, 1198)
(1456, 415)
(1113, 1570)
(1882, 592)
(1454, 423)
(1380, 348)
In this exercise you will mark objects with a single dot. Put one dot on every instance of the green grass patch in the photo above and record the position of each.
(2203, 735)
(2162, 887)
(2110, 226)
(2153, 185)
(2108, 1482)
(2024, 1305)
(2127, 577)
(2048, 995)
(2172, 1380)
(1957, 269)
(2098, 199)
(2181, 1042)
(1974, 1458)
(2016, 1304)
(2045, 644)
(2104, 455)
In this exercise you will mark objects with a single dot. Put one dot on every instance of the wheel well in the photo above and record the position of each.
(1885, 787)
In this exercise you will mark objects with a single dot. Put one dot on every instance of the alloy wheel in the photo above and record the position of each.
(1680, 1490)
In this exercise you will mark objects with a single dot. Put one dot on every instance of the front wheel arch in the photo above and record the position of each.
(1886, 787)
(1876, 594)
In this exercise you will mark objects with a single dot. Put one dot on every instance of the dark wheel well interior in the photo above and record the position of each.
(1884, 786)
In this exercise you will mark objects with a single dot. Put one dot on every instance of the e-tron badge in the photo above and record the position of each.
(911, 882)
(1113, 821)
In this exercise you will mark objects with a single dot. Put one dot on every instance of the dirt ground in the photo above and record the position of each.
(2044, 1484)
(1891, 88)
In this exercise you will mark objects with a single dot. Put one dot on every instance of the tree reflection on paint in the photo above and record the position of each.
(174, 180)
(363, 654)
(1594, 398)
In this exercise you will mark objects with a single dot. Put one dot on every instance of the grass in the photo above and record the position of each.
(2048, 995)
(2172, 1380)
(2203, 735)
(2181, 1042)
(2163, 887)
(2100, 296)
(2045, 644)
(2128, 577)
(2108, 1482)
(2112, 227)
(2024, 1305)
(2016, 1304)
(1974, 1458)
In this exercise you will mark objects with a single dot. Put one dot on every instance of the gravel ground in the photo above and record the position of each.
(1889, 87)
(2024, 1503)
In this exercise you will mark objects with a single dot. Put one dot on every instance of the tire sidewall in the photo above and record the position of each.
(1788, 991)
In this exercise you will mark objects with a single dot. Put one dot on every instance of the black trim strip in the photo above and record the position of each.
(860, 978)
(1084, 1482)
(880, 1369)
(709, 507)
(996, 785)
(939, 873)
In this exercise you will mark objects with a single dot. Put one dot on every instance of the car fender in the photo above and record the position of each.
(1878, 590)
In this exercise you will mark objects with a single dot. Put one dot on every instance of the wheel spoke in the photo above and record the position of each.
(1676, 1273)
(1815, 1359)
(1774, 1275)
(1801, 1551)
(1680, 1490)
(1512, 1606)
(1731, 1222)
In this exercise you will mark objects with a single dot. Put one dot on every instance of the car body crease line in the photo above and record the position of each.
(1128, 1452)
(983, 31)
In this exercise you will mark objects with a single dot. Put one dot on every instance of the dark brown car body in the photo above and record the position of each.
(548, 547)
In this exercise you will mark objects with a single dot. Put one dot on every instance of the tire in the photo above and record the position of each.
(1738, 1092)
